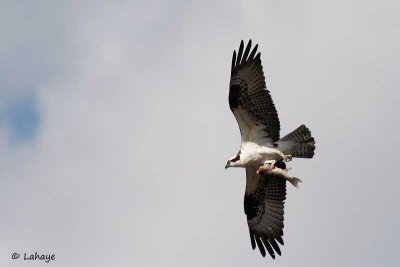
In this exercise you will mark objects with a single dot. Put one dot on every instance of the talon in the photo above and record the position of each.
(288, 158)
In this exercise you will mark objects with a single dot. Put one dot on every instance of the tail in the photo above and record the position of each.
(304, 144)
(295, 182)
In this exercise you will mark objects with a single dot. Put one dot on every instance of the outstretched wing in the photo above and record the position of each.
(249, 99)
(263, 205)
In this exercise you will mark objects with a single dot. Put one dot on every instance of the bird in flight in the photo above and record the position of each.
(262, 152)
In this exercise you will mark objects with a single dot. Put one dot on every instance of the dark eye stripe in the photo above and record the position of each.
(236, 158)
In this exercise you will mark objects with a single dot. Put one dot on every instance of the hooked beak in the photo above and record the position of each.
(226, 166)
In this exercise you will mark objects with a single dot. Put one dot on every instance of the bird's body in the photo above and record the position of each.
(262, 152)
(255, 155)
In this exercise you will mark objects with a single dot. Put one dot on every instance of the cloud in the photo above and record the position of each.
(127, 164)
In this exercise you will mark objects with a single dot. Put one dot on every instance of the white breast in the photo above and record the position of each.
(255, 155)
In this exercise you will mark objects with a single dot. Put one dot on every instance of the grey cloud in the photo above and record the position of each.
(128, 165)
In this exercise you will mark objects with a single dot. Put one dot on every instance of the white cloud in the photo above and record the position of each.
(128, 164)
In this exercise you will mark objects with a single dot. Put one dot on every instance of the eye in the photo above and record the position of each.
(236, 158)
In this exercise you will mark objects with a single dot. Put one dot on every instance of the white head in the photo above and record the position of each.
(233, 161)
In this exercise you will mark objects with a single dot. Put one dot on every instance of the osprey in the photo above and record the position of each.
(262, 153)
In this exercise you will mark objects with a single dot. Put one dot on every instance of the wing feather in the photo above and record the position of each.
(246, 52)
(264, 208)
(239, 58)
(249, 100)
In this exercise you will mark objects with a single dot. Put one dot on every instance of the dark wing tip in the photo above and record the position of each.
(253, 52)
(246, 52)
(268, 247)
(253, 242)
(260, 246)
(280, 240)
(264, 243)
(240, 53)
(233, 61)
(275, 245)
(243, 56)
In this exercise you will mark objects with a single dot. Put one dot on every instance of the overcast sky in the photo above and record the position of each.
(115, 129)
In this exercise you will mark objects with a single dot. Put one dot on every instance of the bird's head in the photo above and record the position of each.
(233, 161)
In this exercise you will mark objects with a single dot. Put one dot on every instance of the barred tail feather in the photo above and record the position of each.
(303, 142)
